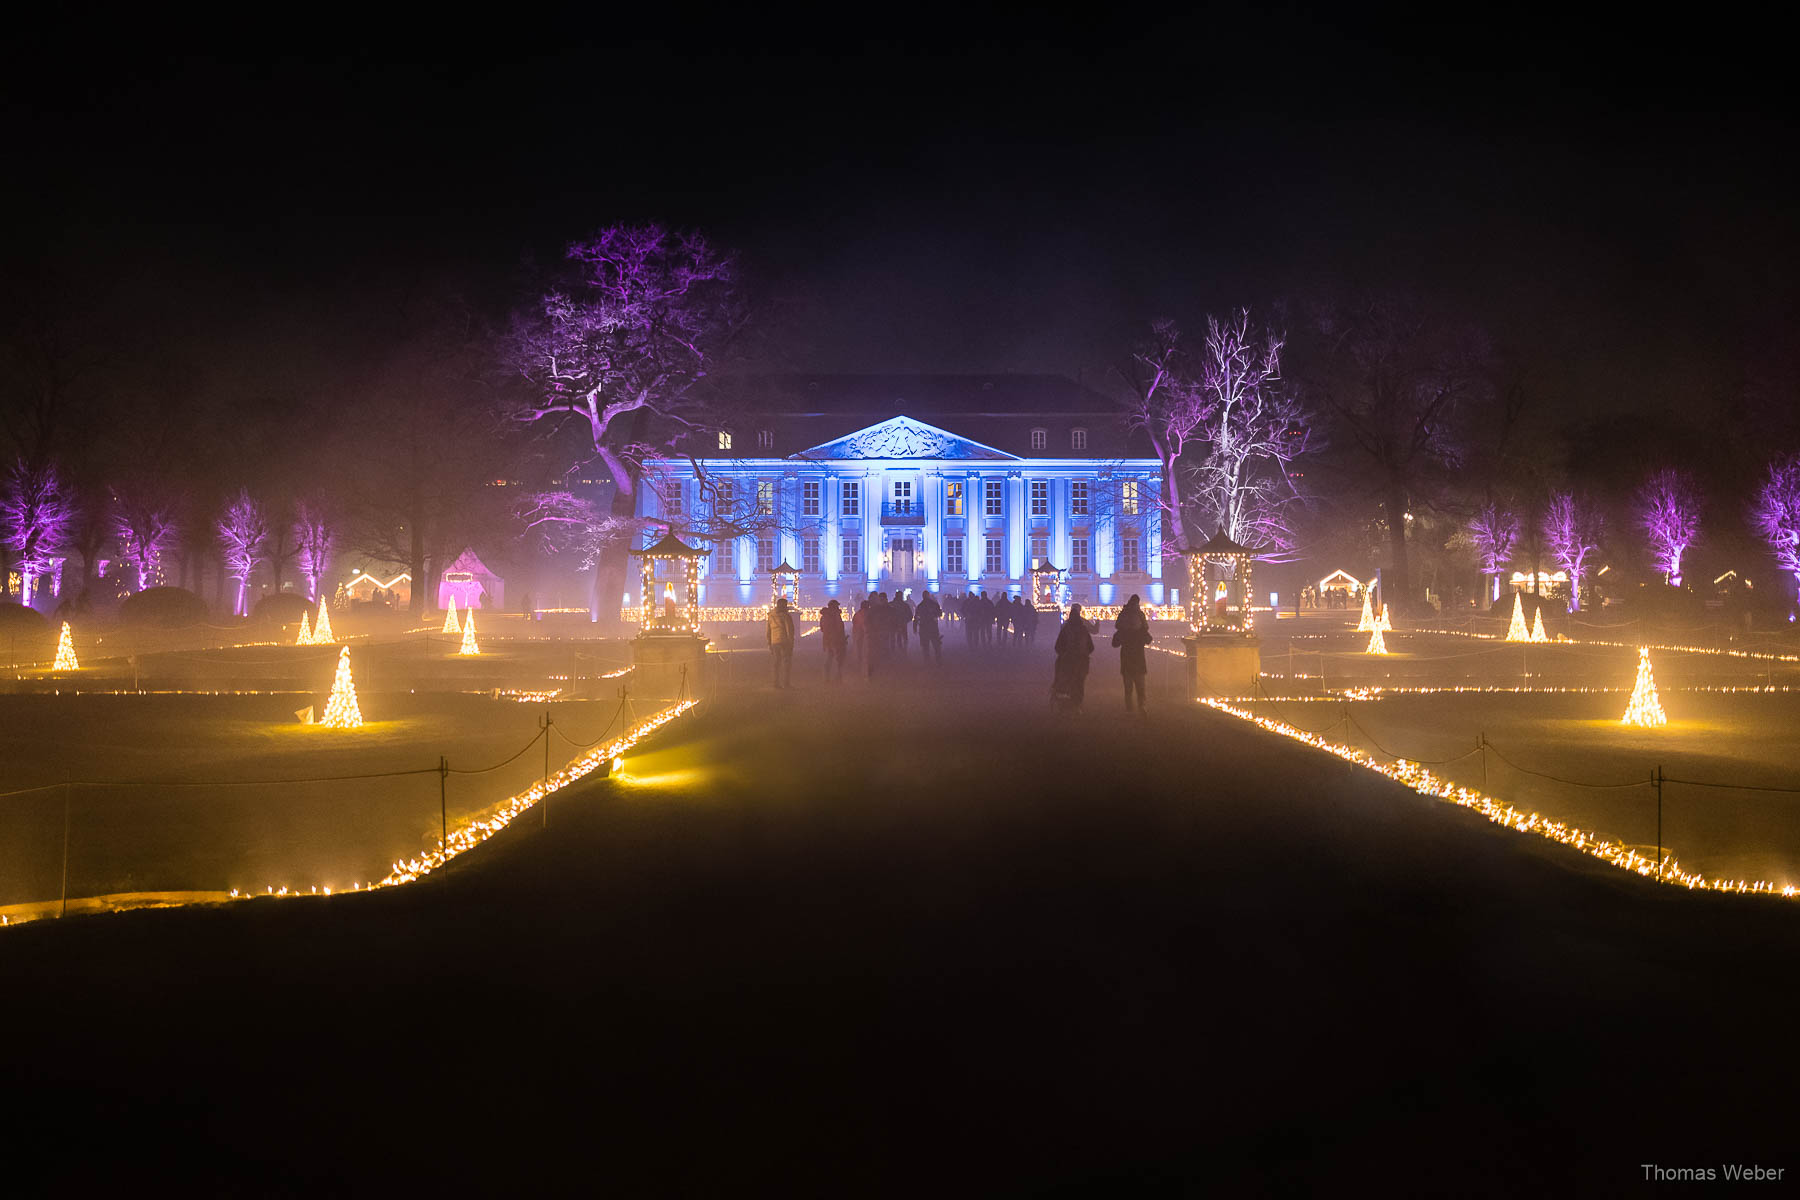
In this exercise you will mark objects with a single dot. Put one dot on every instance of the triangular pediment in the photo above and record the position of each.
(903, 437)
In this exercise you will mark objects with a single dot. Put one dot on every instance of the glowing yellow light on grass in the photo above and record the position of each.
(341, 711)
(1368, 616)
(65, 651)
(322, 635)
(1537, 627)
(1645, 710)
(306, 636)
(1376, 645)
(450, 625)
(468, 632)
(1518, 631)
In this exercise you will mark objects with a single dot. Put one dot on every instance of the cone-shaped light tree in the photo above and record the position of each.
(1385, 622)
(468, 634)
(1376, 644)
(1518, 631)
(1368, 614)
(341, 711)
(65, 651)
(306, 633)
(1645, 710)
(322, 635)
(450, 625)
(1537, 626)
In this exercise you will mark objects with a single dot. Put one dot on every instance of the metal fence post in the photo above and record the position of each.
(546, 781)
(443, 807)
(1657, 779)
(68, 798)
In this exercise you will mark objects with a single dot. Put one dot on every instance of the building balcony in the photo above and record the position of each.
(911, 514)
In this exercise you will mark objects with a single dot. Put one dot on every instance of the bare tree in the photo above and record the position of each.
(144, 524)
(315, 536)
(36, 510)
(1776, 513)
(1169, 405)
(1495, 531)
(243, 532)
(1669, 510)
(1573, 528)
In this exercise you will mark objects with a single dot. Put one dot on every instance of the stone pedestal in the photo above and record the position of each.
(662, 661)
(1222, 664)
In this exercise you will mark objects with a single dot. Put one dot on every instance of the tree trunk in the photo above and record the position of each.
(415, 557)
(612, 563)
(1399, 595)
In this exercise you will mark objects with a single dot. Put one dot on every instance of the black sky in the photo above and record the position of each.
(952, 195)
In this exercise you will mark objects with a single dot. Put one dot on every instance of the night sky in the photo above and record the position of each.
(1615, 204)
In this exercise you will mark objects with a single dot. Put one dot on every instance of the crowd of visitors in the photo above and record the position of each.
(880, 632)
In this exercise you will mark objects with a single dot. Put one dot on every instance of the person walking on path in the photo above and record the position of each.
(902, 618)
(1028, 615)
(931, 642)
(831, 632)
(781, 642)
(967, 614)
(1074, 646)
(1131, 634)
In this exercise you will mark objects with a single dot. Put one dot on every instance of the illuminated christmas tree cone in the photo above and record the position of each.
(306, 637)
(322, 635)
(1376, 645)
(65, 651)
(1368, 616)
(468, 632)
(1518, 631)
(341, 711)
(1537, 627)
(450, 625)
(1645, 710)
(1387, 625)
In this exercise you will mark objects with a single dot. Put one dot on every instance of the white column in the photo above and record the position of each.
(1105, 525)
(1059, 524)
(974, 527)
(1015, 526)
(787, 508)
(831, 549)
(872, 529)
(931, 545)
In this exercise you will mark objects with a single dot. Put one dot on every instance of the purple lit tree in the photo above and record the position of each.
(143, 522)
(1495, 531)
(613, 356)
(1776, 514)
(243, 532)
(36, 509)
(315, 533)
(1169, 405)
(1572, 529)
(1669, 509)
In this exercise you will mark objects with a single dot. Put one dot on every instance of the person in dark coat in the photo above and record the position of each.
(1131, 635)
(831, 632)
(931, 642)
(1074, 646)
(781, 642)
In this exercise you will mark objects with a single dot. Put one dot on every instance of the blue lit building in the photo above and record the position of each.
(943, 483)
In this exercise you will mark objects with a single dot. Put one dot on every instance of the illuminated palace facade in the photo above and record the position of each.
(940, 483)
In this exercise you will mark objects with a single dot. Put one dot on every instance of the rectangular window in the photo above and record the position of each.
(953, 498)
(809, 498)
(953, 556)
(851, 496)
(852, 556)
(996, 556)
(1040, 550)
(724, 440)
(672, 500)
(902, 495)
(765, 555)
(1040, 497)
(1078, 497)
(722, 497)
(765, 497)
(1078, 556)
(809, 555)
(1128, 555)
(993, 498)
(1128, 497)
(725, 558)
(1078, 439)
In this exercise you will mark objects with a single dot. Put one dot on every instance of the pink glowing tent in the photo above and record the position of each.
(470, 584)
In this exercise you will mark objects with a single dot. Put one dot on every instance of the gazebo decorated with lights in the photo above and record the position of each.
(784, 584)
(1224, 654)
(1046, 587)
(668, 651)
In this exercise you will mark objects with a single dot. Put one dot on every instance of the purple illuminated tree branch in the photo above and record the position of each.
(1776, 514)
(36, 510)
(143, 521)
(1495, 532)
(315, 533)
(243, 531)
(1669, 510)
(1572, 529)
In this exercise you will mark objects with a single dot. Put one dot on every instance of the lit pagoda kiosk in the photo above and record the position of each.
(1047, 588)
(784, 584)
(1224, 653)
(668, 654)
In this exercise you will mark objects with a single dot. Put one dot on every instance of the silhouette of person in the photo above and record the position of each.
(931, 642)
(1131, 635)
(1074, 646)
(831, 632)
(781, 642)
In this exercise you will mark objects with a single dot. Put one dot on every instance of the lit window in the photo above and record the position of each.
(851, 494)
(765, 497)
(809, 555)
(1040, 497)
(1040, 550)
(765, 555)
(1128, 555)
(953, 555)
(1078, 555)
(996, 556)
(809, 498)
(724, 440)
(765, 439)
(902, 495)
(1128, 497)
(953, 498)
(1078, 439)
(853, 556)
(1040, 438)
(993, 497)
(1078, 497)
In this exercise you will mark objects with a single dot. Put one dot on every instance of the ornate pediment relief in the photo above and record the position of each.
(903, 437)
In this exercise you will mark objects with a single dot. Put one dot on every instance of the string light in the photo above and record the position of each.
(1518, 631)
(1645, 710)
(1386, 624)
(468, 635)
(341, 711)
(65, 651)
(1537, 626)
(306, 636)
(322, 635)
(450, 624)
(1368, 614)
(1376, 645)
